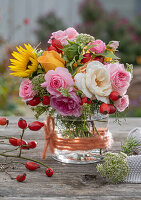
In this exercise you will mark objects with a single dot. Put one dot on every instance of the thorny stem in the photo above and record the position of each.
(24, 158)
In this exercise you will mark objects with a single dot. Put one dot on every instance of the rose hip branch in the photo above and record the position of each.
(20, 145)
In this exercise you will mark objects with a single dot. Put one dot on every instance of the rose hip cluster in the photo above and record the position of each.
(110, 108)
(34, 126)
(36, 100)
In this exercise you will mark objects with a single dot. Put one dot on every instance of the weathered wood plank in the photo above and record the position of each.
(68, 181)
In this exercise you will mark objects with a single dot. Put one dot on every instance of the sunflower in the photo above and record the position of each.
(24, 62)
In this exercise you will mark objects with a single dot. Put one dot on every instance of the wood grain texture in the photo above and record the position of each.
(68, 181)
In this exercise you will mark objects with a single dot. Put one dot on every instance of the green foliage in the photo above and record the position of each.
(39, 110)
(129, 146)
(71, 51)
(73, 127)
(78, 126)
(107, 53)
(129, 68)
(36, 82)
(115, 167)
(64, 92)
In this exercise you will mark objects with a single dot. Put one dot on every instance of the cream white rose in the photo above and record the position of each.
(95, 82)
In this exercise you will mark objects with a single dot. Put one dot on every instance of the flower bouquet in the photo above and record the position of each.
(78, 80)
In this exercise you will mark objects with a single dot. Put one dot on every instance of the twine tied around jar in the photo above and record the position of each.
(101, 141)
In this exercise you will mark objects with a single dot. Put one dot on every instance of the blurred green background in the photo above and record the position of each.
(105, 20)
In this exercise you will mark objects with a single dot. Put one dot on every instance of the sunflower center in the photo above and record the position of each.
(29, 63)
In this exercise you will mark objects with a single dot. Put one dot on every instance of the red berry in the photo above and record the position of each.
(24, 144)
(51, 48)
(85, 100)
(46, 100)
(4, 121)
(114, 96)
(32, 166)
(49, 172)
(57, 44)
(21, 177)
(32, 144)
(87, 57)
(98, 58)
(104, 108)
(22, 123)
(13, 141)
(34, 102)
(26, 21)
(89, 102)
(112, 108)
(35, 126)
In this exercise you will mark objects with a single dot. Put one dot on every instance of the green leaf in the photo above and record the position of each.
(129, 68)
(71, 51)
(89, 47)
(64, 92)
(70, 42)
(107, 54)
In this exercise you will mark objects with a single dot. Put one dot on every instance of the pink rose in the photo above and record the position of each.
(25, 90)
(59, 35)
(114, 45)
(99, 48)
(67, 106)
(69, 34)
(58, 78)
(120, 78)
(122, 103)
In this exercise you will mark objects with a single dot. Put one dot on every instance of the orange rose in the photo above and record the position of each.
(50, 60)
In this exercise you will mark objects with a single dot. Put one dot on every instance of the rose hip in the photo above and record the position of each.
(13, 141)
(24, 144)
(32, 166)
(112, 108)
(49, 172)
(34, 102)
(35, 126)
(4, 121)
(46, 100)
(104, 108)
(21, 177)
(22, 123)
(32, 144)
(85, 100)
(114, 96)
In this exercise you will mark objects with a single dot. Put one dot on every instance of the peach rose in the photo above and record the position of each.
(50, 60)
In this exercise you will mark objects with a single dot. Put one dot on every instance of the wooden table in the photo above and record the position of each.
(68, 181)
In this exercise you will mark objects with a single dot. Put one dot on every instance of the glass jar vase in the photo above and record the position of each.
(81, 141)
